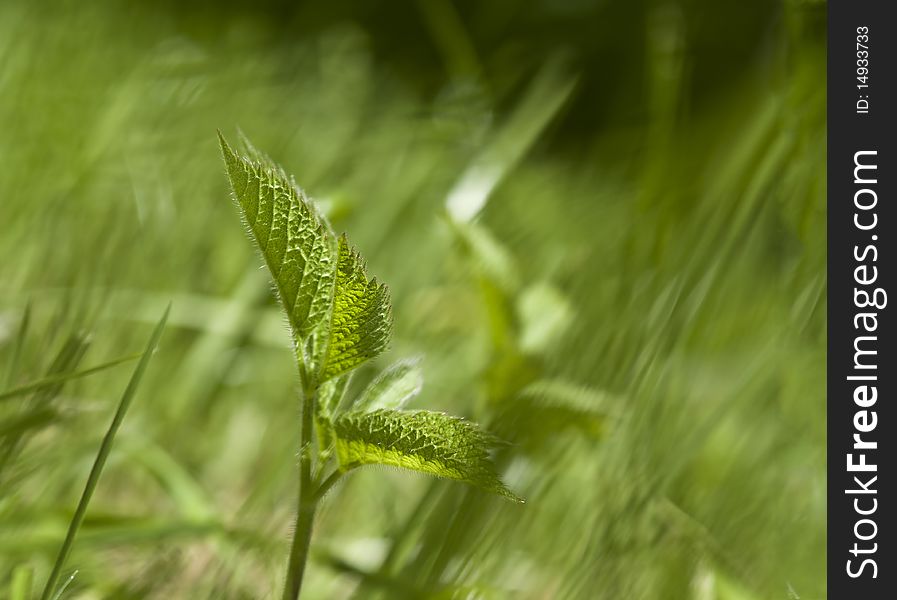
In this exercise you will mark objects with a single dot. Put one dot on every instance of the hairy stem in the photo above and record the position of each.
(308, 503)
(305, 517)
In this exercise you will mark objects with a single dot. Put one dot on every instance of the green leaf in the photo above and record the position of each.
(392, 388)
(338, 316)
(424, 441)
(361, 319)
(296, 243)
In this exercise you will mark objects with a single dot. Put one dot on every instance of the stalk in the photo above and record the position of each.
(305, 517)
(307, 502)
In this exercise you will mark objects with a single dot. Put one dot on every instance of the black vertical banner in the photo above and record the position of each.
(862, 370)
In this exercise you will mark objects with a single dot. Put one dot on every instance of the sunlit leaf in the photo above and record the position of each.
(296, 243)
(424, 441)
(361, 320)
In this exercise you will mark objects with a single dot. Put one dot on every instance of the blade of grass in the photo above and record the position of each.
(102, 455)
(62, 377)
(65, 586)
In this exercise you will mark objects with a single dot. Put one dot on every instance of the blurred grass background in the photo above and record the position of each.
(603, 227)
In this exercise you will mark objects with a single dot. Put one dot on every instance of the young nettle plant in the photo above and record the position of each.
(339, 319)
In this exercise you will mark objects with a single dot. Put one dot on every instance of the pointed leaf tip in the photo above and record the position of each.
(338, 316)
(297, 246)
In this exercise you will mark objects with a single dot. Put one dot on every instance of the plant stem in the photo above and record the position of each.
(305, 517)
(327, 484)
(308, 503)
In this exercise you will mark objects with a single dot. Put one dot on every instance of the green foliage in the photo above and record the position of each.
(424, 441)
(296, 243)
(361, 318)
(340, 318)
(680, 213)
